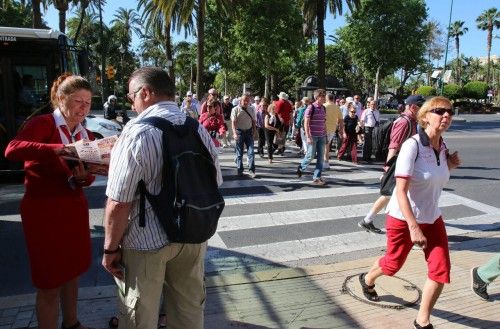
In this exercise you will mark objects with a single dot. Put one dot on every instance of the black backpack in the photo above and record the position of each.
(381, 137)
(189, 204)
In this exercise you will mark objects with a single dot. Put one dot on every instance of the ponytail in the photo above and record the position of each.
(66, 84)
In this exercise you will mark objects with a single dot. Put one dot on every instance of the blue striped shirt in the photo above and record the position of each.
(138, 155)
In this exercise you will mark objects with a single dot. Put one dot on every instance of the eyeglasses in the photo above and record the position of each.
(130, 98)
(442, 111)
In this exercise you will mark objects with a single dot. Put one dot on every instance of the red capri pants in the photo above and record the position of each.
(399, 246)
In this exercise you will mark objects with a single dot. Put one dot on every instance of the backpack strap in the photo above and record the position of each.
(165, 126)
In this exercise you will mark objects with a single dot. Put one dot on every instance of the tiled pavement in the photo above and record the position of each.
(312, 297)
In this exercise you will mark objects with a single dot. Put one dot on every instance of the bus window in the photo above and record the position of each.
(33, 89)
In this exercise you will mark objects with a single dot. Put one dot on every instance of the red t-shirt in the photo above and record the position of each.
(284, 109)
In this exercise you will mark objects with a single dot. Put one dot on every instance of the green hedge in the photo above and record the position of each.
(452, 91)
(475, 90)
(426, 91)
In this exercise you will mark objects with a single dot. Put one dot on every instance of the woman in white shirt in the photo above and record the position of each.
(413, 216)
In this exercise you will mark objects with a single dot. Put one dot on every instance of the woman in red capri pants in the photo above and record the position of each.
(413, 216)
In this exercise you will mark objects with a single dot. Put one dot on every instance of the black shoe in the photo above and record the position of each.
(299, 172)
(369, 227)
(417, 326)
(368, 291)
(477, 285)
(240, 172)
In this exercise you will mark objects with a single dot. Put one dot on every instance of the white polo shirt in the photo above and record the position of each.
(428, 174)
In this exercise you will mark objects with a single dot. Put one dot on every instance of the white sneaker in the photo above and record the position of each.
(326, 165)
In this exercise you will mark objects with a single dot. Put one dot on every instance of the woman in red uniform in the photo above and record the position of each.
(54, 210)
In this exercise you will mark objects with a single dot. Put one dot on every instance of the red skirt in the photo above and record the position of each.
(57, 234)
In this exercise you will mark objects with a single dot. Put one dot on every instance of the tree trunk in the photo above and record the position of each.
(457, 46)
(320, 15)
(488, 49)
(200, 29)
(170, 57)
(104, 78)
(83, 8)
(62, 21)
(80, 23)
(37, 14)
(375, 94)
(266, 86)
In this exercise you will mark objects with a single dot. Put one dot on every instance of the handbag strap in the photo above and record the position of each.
(253, 121)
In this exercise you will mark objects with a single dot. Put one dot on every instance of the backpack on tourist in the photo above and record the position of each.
(382, 137)
(189, 203)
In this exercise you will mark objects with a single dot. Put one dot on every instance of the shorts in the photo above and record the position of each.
(399, 246)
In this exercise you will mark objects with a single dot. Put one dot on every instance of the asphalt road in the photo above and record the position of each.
(279, 220)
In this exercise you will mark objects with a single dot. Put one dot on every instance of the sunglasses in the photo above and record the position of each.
(352, 111)
(442, 111)
(131, 96)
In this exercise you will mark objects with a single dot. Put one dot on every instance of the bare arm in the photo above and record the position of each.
(115, 223)
(307, 129)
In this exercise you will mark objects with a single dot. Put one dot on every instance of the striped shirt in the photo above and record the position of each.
(317, 119)
(138, 155)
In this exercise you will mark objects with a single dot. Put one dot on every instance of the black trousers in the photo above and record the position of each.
(270, 142)
(367, 146)
(262, 140)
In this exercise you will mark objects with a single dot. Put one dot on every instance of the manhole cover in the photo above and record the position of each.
(394, 292)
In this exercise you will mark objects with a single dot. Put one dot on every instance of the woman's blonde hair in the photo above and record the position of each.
(432, 103)
(65, 85)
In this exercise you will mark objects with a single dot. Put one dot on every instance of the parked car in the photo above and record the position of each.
(101, 127)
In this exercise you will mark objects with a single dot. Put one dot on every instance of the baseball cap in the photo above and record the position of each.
(212, 91)
(415, 99)
(189, 93)
(256, 98)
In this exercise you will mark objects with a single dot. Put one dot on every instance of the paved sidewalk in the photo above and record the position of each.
(312, 297)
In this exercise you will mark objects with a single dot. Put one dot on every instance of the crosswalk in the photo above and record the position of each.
(279, 218)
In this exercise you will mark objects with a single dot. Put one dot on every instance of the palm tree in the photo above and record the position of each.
(128, 22)
(37, 13)
(487, 21)
(159, 26)
(186, 8)
(62, 6)
(314, 12)
(456, 30)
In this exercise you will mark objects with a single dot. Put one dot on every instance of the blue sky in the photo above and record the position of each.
(473, 43)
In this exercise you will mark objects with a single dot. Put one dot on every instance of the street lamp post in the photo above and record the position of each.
(446, 52)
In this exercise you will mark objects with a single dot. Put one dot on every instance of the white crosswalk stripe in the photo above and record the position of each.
(342, 185)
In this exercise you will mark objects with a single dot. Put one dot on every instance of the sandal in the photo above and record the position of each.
(162, 321)
(113, 322)
(417, 326)
(368, 291)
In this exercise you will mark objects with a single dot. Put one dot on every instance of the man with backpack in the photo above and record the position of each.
(139, 249)
(315, 133)
(402, 128)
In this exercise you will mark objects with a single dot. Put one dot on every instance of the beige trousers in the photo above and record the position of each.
(181, 268)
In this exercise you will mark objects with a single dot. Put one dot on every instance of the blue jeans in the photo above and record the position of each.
(317, 147)
(244, 137)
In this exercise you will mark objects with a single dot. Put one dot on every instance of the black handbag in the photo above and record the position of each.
(388, 181)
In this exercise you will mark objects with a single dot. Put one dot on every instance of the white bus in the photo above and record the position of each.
(30, 60)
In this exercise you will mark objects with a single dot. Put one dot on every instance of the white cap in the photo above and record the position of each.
(283, 95)
(349, 99)
(256, 98)
(189, 93)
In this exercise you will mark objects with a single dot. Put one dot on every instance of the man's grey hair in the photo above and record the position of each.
(330, 97)
(156, 79)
